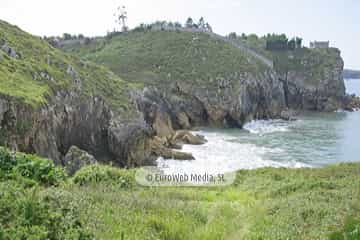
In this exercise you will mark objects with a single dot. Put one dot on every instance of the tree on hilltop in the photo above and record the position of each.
(189, 23)
(232, 35)
(201, 23)
(298, 42)
(208, 28)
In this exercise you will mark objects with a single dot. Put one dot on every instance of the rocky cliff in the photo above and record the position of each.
(312, 78)
(191, 78)
(209, 81)
(51, 101)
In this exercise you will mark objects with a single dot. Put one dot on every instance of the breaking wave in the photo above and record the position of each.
(267, 126)
(222, 153)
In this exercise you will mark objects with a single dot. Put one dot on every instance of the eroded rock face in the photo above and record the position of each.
(9, 50)
(226, 102)
(160, 147)
(90, 124)
(131, 143)
(186, 137)
(318, 83)
(289, 114)
(68, 120)
(352, 103)
(76, 158)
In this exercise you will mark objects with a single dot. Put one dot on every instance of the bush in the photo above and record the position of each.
(350, 231)
(38, 215)
(29, 168)
(100, 173)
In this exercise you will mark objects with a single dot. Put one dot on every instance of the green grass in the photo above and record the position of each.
(262, 204)
(164, 57)
(105, 203)
(159, 57)
(41, 70)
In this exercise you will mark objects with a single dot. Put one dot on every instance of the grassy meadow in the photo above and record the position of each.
(39, 201)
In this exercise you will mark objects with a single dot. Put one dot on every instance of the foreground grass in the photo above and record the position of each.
(262, 204)
(102, 202)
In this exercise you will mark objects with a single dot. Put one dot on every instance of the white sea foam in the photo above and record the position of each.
(267, 126)
(221, 154)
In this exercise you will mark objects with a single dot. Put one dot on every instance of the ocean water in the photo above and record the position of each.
(314, 140)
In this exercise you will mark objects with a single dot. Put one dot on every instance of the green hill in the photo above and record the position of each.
(153, 56)
(31, 70)
(313, 76)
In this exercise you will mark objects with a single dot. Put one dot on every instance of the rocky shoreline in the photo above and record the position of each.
(157, 116)
(67, 121)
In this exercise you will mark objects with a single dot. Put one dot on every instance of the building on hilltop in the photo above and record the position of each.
(320, 44)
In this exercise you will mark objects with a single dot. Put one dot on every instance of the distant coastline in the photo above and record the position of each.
(351, 74)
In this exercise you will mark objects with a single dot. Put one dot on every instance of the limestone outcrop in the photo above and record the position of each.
(227, 103)
(90, 124)
(313, 80)
(60, 101)
(76, 158)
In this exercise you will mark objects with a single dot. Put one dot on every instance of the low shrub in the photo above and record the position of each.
(29, 168)
(105, 174)
(39, 214)
(350, 230)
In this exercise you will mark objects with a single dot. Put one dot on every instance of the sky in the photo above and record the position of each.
(335, 20)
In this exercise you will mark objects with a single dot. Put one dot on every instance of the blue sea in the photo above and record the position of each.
(314, 140)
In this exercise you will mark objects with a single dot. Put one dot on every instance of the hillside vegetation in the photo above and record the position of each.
(102, 202)
(147, 56)
(32, 71)
(295, 60)
(152, 56)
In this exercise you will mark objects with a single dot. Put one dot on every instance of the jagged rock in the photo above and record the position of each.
(69, 120)
(159, 149)
(352, 103)
(331, 104)
(187, 137)
(74, 74)
(155, 114)
(246, 97)
(9, 51)
(183, 120)
(175, 145)
(46, 75)
(76, 159)
(71, 71)
(314, 85)
(288, 114)
(130, 143)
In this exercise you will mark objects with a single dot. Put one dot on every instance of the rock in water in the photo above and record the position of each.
(288, 115)
(186, 137)
(76, 159)
(159, 149)
(352, 103)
